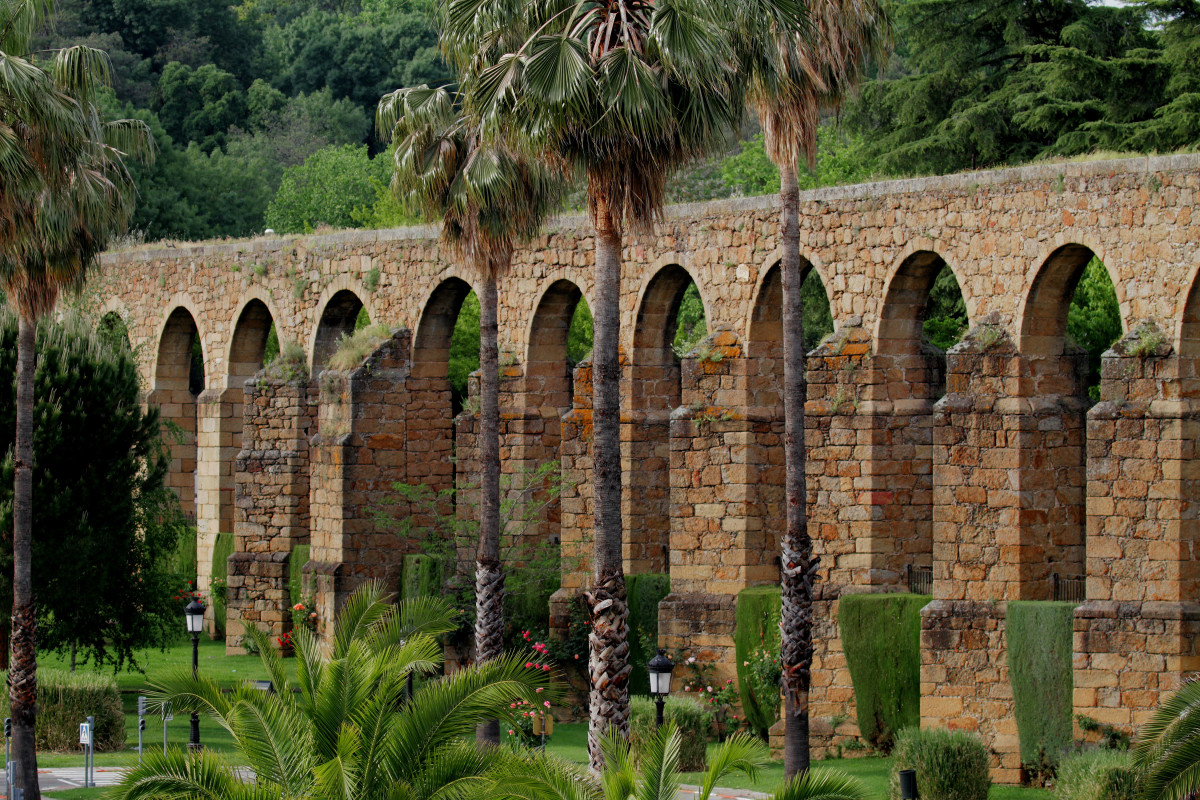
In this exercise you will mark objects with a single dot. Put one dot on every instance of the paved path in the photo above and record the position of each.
(63, 778)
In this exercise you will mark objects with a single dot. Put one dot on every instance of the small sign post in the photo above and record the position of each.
(141, 725)
(167, 717)
(85, 739)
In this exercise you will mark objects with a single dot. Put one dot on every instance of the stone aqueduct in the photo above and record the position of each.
(995, 473)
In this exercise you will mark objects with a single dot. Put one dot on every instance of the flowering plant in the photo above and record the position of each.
(304, 615)
(188, 593)
(719, 698)
(523, 713)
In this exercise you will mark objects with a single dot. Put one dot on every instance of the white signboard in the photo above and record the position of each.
(85, 733)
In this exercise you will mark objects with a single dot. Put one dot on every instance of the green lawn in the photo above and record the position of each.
(214, 664)
(570, 742)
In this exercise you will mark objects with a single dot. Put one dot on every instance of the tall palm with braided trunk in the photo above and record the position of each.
(64, 191)
(792, 77)
(622, 91)
(489, 197)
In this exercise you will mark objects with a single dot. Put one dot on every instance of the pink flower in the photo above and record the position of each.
(546, 668)
(510, 731)
(539, 689)
(546, 704)
(512, 705)
(577, 656)
(691, 660)
(528, 665)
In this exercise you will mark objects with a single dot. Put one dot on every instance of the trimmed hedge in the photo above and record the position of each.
(421, 577)
(1096, 775)
(689, 715)
(64, 700)
(881, 636)
(950, 765)
(296, 561)
(757, 625)
(644, 592)
(1039, 637)
(222, 550)
(183, 560)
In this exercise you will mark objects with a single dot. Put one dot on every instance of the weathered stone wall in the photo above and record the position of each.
(272, 503)
(982, 463)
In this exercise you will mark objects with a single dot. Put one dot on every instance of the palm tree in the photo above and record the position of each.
(1166, 758)
(489, 198)
(793, 75)
(623, 91)
(350, 731)
(653, 774)
(64, 192)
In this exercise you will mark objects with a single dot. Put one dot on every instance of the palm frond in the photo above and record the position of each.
(619, 778)
(739, 753)
(534, 776)
(364, 608)
(82, 71)
(660, 765)
(270, 658)
(178, 775)
(822, 784)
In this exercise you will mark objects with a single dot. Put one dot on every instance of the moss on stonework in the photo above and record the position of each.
(881, 636)
(1039, 638)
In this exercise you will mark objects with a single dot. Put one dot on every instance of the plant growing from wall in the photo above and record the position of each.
(1039, 641)
(881, 637)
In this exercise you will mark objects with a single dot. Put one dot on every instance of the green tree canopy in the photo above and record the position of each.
(105, 520)
(335, 186)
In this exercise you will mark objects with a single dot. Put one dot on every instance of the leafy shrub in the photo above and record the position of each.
(183, 559)
(644, 593)
(692, 719)
(881, 636)
(950, 765)
(757, 630)
(66, 699)
(296, 562)
(1040, 667)
(421, 576)
(1095, 775)
(222, 550)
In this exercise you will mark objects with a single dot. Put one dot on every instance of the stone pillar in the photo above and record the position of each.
(218, 440)
(368, 434)
(719, 543)
(1136, 635)
(271, 504)
(1008, 513)
(575, 502)
(177, 408)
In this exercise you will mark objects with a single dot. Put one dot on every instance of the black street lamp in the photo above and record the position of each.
(195, 623)
(660, 683)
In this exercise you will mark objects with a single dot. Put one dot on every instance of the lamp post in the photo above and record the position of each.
(195, 623)
(908, 784)
(660, 683)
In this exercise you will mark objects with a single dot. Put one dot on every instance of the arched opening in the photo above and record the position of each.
(765, 342)
(113, 330)
(670, 321)
(178, 380)
(560, 336)
(465, 343)
(343, 314)
(1071, 317)
(430, 387)
(248, 351)
(923, 315)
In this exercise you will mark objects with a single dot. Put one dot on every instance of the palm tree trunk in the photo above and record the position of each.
(608, 664)
(22, 676)
(799, 566)
(489, 578)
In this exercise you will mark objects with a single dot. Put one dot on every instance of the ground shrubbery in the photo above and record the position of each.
(1096, 775)
(66, 699)
(950, 765)
(690, 716)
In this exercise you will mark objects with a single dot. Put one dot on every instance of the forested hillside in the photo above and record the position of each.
(263, 111)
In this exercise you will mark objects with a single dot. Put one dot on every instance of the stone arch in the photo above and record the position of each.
(899, 329)
(338, 316)
(1187, 343)
(1043, 324)
(114, 324)
(658, 306)
(247, 345)
(431, 344)
(173, 393)
(764, 332)
(547, 373)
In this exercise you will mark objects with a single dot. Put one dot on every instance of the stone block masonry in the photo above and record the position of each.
(988, 464)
